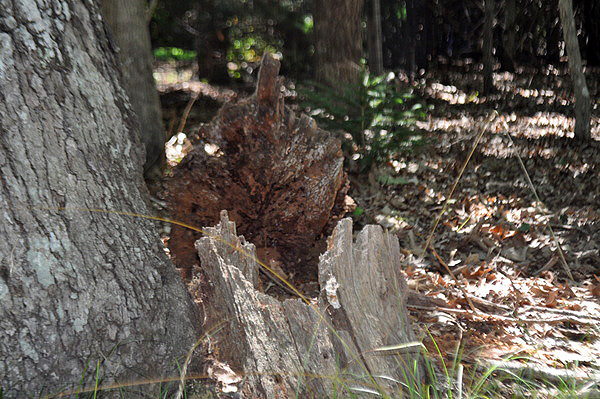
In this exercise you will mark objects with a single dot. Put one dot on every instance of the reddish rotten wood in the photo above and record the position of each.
(278, 175)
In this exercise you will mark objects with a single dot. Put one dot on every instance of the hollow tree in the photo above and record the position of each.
(79, 290)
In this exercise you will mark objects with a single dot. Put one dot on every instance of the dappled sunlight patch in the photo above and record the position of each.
(451, 94)
(176, 148)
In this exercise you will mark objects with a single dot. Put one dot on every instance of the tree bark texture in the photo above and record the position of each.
(488, 46)
(128, 23)
(77, 288)
(582, 94)
(279, 176)
(323, 350)
(338, 41)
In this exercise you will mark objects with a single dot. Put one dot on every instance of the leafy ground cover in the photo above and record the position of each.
(495, 237)
(509, 272)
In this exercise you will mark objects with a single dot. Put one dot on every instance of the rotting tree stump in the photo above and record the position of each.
(288, 349)
(278, 175)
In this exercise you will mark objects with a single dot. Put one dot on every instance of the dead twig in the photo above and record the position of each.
(459, 284)
(537, 198)
(186, 112)
(488, 121)
(549, 265)
(480, 316)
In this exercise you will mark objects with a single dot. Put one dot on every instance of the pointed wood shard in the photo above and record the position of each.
(268, 86)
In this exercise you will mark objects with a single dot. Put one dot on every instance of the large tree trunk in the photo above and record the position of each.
(77, 288)
(129, 26)
(488, 46)
(582, 94)
(338, 40)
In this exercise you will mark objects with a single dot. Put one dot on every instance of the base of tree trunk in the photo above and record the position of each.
(323, 349)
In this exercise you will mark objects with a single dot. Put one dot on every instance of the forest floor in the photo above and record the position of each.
(493, 284)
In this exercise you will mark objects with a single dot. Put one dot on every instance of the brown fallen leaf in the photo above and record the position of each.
(595, 288)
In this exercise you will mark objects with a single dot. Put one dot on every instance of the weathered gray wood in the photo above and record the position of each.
(370, 300)
(260, 335)
(291, 349)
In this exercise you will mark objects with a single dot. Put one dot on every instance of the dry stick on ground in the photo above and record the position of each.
(503, 319)
(488, 121)
(537, 198)
(548, 374)
(460, 286)
(186, 111)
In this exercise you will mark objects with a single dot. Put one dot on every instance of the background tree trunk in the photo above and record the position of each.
(212, 42)
(129, 24)
(76, 287)
(509, 35)
(338, 40)
(582, 94)
(412, 39)
(552, 36)
(488, 45)
(375, 39)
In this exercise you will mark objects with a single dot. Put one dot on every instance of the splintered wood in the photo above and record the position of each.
(278, 175)
(348, 342)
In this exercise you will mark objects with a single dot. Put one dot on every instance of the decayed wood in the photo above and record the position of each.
(260, 335)
(278, 175)
(291, 349)
(370, 301)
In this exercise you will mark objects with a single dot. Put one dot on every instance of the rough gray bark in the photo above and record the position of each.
(128, 23)
(488, 46)
(582, 94)
(338, 40)
(76, 287)
(288, 349)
